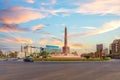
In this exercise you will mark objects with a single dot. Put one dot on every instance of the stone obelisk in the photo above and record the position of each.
(66, 49)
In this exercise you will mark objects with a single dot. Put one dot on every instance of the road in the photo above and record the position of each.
(13, 70)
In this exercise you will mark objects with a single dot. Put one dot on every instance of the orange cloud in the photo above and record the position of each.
(14, 39)
(58, 42)
(109, 26)
(51, 42)
(55, 38)
(30, 1)
(23, 40)
(53, 1)
(10, 28)
(100, 7)
(74, 45)
(19, 14)
(43, 42)
(38, 27)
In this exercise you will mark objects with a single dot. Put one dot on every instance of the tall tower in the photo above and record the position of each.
(21, 48)
(66, 49)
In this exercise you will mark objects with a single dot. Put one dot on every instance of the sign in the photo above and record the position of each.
(51, 46)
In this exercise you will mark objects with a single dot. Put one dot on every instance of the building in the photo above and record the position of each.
(21, 54)
(25, 51)
(28, 50)
(99, 48)
(115, 46)
(52, 48)
(110, 49)
(105, 51)
(65, 49)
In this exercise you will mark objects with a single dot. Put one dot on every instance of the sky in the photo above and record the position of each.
(42, 22)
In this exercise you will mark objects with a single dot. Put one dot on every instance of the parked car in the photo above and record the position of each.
(28, 59)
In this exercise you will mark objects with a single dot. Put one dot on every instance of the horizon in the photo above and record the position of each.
(42, 22)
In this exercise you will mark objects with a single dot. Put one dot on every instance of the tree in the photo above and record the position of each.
(1, 54)
(13, 54)
(97, 54)
(44, 54)
(115, 55)
(31, 55)
(75, 53)
(87, 56)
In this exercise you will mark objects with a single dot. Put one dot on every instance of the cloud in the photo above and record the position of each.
(10, 28)
(74, 45)
(109, 26)
(48, 3)
(53, 1)
(14, 39)
(51, 41)
(15, 28)
(30, 1)
(100, 7)
(58, 42)
(88, 27)
(19, 14)
(23, 40)
(44, 35)
(117, 37)
(7, 2)
(65, 12)
(54, 38)
(38, 27)
(43, 42)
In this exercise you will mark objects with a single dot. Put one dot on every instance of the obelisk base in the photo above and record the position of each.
(66, 50)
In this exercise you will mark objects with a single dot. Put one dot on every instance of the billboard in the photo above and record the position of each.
(51, 46)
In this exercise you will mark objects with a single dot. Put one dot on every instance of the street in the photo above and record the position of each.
(18, 70)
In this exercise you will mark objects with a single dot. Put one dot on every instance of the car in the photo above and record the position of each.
(28, 59)
(5, 60)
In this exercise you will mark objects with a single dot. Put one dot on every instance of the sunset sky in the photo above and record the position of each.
(41, 22)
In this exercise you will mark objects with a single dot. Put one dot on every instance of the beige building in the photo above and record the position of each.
(21, 54)
(27, 50)
(115, 46)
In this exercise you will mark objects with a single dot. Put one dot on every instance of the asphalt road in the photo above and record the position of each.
(13, 70)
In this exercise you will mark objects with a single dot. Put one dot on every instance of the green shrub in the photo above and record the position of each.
(70, 59)
(37, 59)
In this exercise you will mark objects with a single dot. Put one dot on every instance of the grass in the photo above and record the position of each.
(71, 59)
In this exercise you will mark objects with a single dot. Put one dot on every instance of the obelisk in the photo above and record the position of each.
(66, 49)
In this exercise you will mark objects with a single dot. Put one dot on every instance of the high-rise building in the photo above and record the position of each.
(21, 48)
(99, 47)
(115, 46)
(66, 49)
